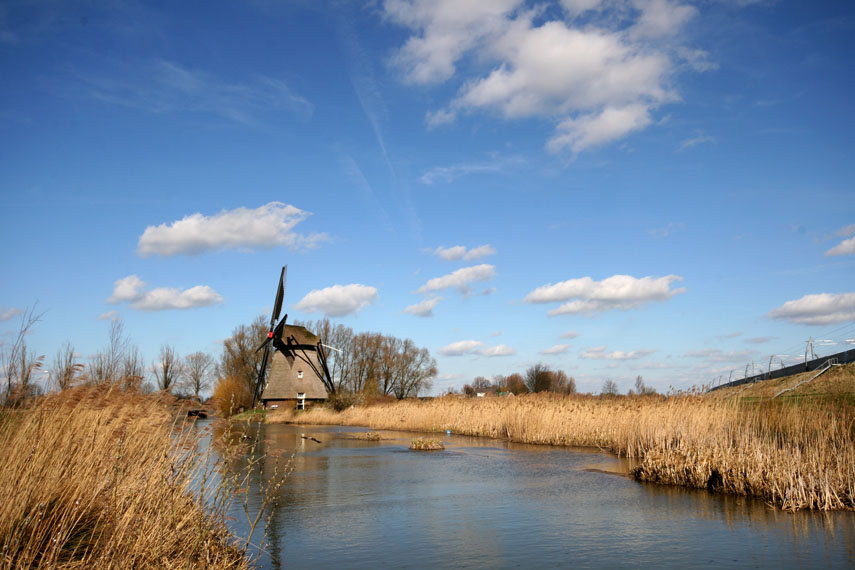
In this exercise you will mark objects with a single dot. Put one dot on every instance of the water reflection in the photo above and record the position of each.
(482, 503)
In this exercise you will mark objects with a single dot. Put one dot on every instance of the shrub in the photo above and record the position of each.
(231, 396)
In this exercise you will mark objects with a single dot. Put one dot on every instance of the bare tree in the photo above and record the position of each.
(241, 358)
(132, 368)
(10, 359)
(197, 368)
(516, 384)
(641, 389)
(65, 367)
(339, 356)
(416, 370)
(610, 388)
(167, 370)
(106, 365)
(538, 378)
(562, 383)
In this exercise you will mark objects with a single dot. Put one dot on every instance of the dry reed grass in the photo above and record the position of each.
(100, 479)
(426, 444)
(794, 455)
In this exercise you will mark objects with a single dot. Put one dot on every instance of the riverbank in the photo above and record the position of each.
(793, 454)
(94, 478)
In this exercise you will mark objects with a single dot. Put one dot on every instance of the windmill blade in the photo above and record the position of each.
(259, 383)
(280, 295)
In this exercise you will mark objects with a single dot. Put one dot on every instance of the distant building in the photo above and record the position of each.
(294, 380)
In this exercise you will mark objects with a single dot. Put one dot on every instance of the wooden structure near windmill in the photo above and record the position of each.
(299, 375)
(296, 374)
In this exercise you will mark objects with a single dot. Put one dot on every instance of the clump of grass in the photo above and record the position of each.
(796, 453)
(426, 444)
(103, 479)
(369, 436)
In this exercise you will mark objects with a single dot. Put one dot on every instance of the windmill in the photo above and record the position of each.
(282, 338)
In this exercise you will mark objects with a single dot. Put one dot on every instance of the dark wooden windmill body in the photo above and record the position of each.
(298, 374)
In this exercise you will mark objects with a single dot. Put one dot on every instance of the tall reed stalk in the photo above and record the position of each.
(794, 455)
(104, 479)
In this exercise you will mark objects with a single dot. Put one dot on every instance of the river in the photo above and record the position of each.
(485, 503)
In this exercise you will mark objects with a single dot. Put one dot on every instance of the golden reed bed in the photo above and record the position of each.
(794, 455)
(100, 479)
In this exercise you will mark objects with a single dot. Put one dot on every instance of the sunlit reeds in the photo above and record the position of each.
(794, 454)
(103, 479)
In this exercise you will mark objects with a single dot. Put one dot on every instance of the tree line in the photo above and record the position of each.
(120, 363)
(542, 378)
(369, 363)
(537, 378)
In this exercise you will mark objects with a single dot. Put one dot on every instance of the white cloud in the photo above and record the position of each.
(821, 309)
(498, 350)
(570, 334)
(448, 29)
(460, 279)
(131, 289)
(599, 353)
(9, 313)
(108, 316)
(595, 129)
(660, 18)
(267, 226)
(695, 141)
(846, 231)
(597, 79)
(423, 309)
(557, 349)
(846, 247)
(621, 292)
(338, 300)
(458, 252)
(128, 288)
(475, 347)
(461, 347)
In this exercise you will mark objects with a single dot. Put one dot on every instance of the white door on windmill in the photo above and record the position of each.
(301, 400)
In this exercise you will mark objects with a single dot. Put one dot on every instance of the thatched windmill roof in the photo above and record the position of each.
(290, 373)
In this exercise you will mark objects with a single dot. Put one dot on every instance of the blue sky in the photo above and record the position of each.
(613, 188)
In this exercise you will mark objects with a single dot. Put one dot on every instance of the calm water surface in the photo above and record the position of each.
(485, 503)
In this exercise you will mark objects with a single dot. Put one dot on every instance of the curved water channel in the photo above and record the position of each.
(485, 503)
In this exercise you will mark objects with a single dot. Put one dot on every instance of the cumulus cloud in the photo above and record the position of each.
(458, 252)
(597, 78)
(423, 309)
(599, 353)
(267, 226)
(338, 300)
(131, 289)
(460, 279)
(475, 347)
(9, 313)
(557, 349)
(846, 247)
(586, 296)
(821, 309)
